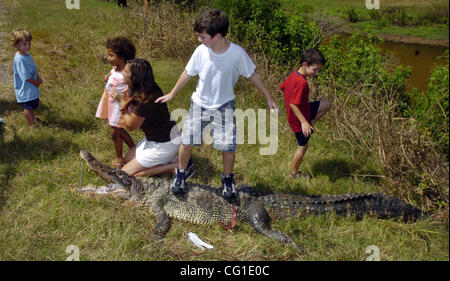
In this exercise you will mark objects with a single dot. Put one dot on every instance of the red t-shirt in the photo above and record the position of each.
(296, 91)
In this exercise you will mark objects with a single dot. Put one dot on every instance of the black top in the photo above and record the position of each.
(157, 124)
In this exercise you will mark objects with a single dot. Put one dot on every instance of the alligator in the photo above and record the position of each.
(203, 204)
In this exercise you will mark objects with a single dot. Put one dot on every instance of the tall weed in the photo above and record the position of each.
(432, 109)
(163, 30)
(370, 109)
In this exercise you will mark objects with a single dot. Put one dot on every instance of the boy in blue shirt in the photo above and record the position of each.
(26, 77)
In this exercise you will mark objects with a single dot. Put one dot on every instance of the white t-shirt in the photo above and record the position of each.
(218, 74)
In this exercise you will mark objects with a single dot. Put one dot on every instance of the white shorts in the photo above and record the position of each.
(150, 153)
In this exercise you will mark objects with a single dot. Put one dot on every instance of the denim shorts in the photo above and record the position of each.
(301, 139)
(222, 125)
(32, 104)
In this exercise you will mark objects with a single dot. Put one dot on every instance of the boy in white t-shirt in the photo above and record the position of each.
(218, 63)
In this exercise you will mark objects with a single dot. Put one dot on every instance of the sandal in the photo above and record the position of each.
(118, 164)
(40, 121)
(299, 175)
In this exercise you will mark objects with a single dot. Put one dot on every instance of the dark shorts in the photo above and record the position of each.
(301, 139)
(32, 104)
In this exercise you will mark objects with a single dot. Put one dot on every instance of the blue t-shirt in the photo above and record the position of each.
(24, 69)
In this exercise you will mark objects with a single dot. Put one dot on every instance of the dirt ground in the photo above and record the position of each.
(6, 63)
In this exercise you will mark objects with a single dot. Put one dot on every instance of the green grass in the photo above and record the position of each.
(40, 216)
(336, 9)
(438, 32)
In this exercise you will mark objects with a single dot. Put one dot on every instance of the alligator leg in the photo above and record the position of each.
(260, 221)
(162, 221)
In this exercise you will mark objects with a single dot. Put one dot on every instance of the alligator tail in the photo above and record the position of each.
(377, 204)
(374, 204)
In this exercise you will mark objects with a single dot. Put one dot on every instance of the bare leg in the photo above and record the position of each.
(156, 170)
(228, 162)
(324, 107)
(298, 157)
(126, 138)
(184, 154)
(29, 116)
(118, 143)
(131, 154)
(133, 168)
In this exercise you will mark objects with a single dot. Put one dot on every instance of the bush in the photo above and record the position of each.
(398, 16)
(431, 108)
(352, 15)
(263, 26)
(370, 111)
(357, 61)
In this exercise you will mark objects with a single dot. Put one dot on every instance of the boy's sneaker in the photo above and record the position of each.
(228, 189)
(178, 183)
(190, 170)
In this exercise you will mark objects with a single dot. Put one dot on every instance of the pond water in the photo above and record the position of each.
(421, 58)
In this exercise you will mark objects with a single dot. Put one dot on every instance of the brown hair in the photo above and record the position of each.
(312, 56)
(212, 21)
(122, 47)
(143, 86)
(20, 35)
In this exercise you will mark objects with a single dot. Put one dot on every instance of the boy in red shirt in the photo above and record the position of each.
(303, 114)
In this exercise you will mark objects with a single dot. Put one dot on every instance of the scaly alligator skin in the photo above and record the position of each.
(202, 204)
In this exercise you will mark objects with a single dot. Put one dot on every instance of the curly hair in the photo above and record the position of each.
(212, 21)
(122, 47)
(20, 35)
(143, 86)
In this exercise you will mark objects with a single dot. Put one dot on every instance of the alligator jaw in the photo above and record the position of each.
(108, 173)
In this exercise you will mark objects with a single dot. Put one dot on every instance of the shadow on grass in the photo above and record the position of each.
(204, 169)
(294, 187)
(51, 118)
(337, 169)
(334, 168)
(77, 126)
(54, 119)
(7, 172)
(2, 131)
(8, 106)
(41, 148)
(38, 148)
